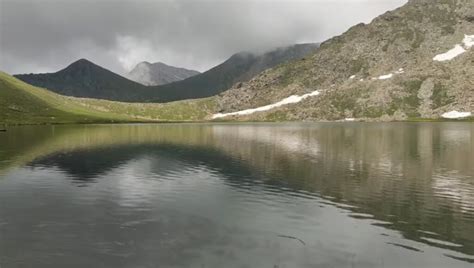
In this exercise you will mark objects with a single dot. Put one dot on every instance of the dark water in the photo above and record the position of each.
(249, 195)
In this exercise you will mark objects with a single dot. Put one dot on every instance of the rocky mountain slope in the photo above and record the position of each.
(154, 74)
(86, 79)
(414, 62)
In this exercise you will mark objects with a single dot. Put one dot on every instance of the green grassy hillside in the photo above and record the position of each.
(21, 103)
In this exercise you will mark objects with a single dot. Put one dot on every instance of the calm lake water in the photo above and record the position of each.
(238, 195)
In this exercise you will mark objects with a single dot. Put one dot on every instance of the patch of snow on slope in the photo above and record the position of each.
(458, 49)
(352, 77)
(400, 71)
(456, 115)
(468, 41)
(290, 100)
(386, 76)
(451, 54)
(390, 75)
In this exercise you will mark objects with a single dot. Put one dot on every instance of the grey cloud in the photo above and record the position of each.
(39, 36)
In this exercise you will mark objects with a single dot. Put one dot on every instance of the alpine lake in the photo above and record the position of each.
(238, 195)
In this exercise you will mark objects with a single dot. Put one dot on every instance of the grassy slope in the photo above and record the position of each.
(21, 103)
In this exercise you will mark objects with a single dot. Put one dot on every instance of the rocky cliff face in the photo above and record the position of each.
(416, 61)
(153, 74)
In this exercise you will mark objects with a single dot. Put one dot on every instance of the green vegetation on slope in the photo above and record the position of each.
(21, 103)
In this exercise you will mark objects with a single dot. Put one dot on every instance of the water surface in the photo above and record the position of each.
(238, 195)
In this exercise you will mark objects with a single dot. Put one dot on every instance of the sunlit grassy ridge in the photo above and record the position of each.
(21, 103)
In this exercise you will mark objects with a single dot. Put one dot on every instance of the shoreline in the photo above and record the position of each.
(106, 122)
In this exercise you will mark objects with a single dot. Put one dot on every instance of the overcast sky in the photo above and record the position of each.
(47, 35)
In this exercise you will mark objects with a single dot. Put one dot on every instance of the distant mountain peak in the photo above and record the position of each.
(81, 64)
(158, 73)
(82, 61)
(144, 63)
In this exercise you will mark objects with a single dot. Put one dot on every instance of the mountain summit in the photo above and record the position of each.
(153, 74)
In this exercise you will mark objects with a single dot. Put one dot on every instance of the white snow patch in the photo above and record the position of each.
(451, 54)
(361, 80)
(458, 49)
(388, 76)
(400, 71)
(456, 114)
(352, 77)
(385, 76)
(468, 41)
(349, 119)
(289, 100)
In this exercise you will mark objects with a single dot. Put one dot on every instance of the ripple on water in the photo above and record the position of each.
(405, 247)
(463, 258)
(441, 242)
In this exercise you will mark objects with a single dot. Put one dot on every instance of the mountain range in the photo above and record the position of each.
(88, 80)
(154, 74)
(412, 63)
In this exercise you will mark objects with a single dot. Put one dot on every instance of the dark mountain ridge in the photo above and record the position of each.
(86, 79)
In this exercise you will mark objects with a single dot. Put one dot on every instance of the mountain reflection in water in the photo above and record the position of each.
(238, 194)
